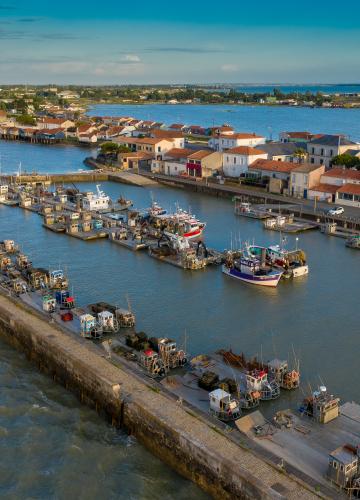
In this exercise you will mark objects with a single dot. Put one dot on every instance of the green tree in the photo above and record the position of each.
(26, 120)
(300, 154)
(109, 148)
(347, 161)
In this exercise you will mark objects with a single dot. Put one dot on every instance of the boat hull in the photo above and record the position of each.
(270, 280)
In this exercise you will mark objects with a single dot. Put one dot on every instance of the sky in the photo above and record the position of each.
(146, 42)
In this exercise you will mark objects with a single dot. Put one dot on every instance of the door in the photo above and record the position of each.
(305, 193)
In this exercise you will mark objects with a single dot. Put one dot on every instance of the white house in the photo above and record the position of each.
(222, 142)
(51, 123)
(236, 161)
(175, 161)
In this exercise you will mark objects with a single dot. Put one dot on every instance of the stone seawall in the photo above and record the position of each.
(190, 444)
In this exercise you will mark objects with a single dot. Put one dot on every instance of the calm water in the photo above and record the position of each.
(266, 120)
(302, 89)
(42, 158)
(51, 444)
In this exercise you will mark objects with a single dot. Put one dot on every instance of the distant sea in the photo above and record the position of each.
(341, 88)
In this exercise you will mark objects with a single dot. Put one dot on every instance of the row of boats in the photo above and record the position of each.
(263, 266)
(242, 388)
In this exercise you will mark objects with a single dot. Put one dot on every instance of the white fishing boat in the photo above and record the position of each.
(95, 202)
(251, 270)
(292, 262)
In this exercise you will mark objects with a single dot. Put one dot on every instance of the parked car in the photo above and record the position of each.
(336, 211)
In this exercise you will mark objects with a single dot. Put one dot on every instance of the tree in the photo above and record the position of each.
(300, 154)
(109, 148)
(26, 120)
(347, 161)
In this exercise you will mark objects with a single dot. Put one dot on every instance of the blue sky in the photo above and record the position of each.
(173, 42)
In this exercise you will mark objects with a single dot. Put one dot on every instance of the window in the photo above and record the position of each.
(312, 160)
(234, 159)
(313, 150)
(331, 152)
(159, 149)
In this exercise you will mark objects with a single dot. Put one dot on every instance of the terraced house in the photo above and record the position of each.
(323, 149)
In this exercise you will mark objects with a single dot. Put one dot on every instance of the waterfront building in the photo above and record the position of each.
(53, 123)
(236, 161)
(304, 177)
(277, 173)
(323, 149)
(339, 185)
(177, 138)
(173, 163)
(204, 163)
(283, 151)
(135, 160)
(297, 137)
(226, 141)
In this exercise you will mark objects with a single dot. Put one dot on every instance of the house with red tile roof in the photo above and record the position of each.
(174, 161)
(338, 185)
(223, 142)
(204, 163)
(52, 123)
(236, 161)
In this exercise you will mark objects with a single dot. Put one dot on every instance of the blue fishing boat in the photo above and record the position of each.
(250, 270)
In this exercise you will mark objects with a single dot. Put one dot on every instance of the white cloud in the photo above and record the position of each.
(131, 58)
(229, 68)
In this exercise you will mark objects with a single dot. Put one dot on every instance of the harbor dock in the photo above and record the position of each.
(193, 444)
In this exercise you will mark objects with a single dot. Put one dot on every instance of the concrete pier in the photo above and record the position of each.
(193, 445)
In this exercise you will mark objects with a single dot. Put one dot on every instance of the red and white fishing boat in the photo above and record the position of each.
(181, 223)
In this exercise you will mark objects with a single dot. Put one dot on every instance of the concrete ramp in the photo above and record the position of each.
(247, 423)
(131, 178)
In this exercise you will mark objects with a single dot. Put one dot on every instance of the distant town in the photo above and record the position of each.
(27, 99)
(299, 164)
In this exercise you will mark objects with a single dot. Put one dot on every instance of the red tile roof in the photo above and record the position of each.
(241, 135)
(350, 189)
(343, 173)
(172, 134)
(273, 165)
(325, 188)
(199, 155)
(246, 151)
(177, 153)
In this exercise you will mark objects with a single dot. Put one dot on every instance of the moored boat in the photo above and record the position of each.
(353, 241)
(250, 270)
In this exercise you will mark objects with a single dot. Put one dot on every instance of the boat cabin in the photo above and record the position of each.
(64, 299)
(19, 286)
(107, 322)
(223, 405)
(57, 280)
(9, 246)
(125, 318)
(22, 262)
(343, 465)
(279, 370)
(150, 360)
(169, 353)
(94, 202)
(49, 303)
(322, 406)
(88, 327)
(38, 278)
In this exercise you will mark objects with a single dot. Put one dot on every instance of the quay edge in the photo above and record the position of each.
(181, 438)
